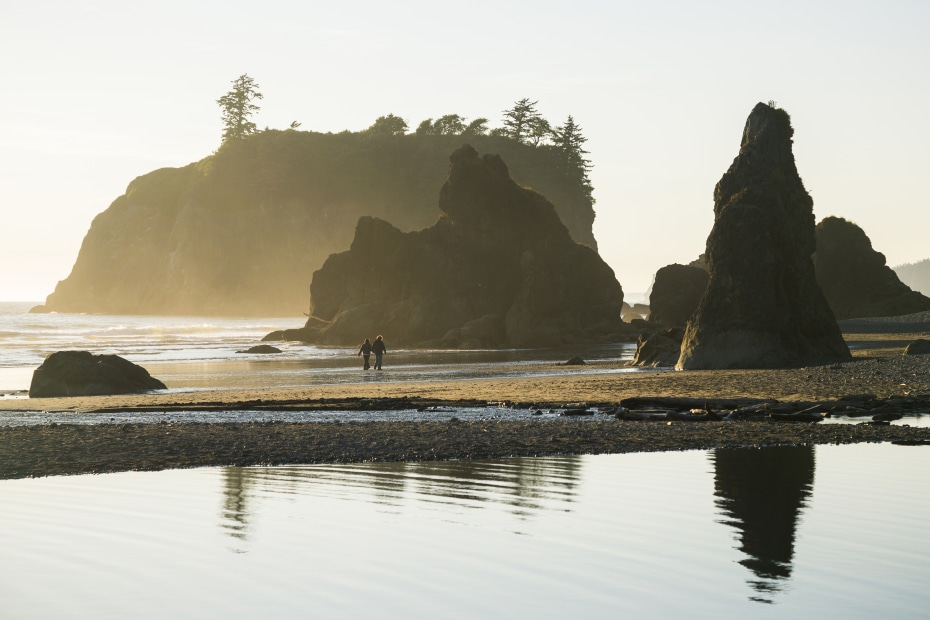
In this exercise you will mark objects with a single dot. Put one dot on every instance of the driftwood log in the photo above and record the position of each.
(881, 410)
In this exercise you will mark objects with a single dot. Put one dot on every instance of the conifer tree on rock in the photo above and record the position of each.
(238, 108)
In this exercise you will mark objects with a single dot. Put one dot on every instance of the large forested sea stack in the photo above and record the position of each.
(498, 269)
(762, 307)
(241, 232)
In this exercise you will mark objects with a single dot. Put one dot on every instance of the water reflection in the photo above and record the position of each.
(235, 511)
(525, 486)
(761, 494)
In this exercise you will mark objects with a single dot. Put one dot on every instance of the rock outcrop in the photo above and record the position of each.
(854, 277)
(660, 348)
(241, 232)
(675, 295)
(918, 347)
(81, 373)
(498, 269)
(763, 307)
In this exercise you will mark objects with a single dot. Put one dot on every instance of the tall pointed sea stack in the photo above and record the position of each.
(762, 307)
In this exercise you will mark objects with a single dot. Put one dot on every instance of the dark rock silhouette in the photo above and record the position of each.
(498, 269)
(854, 277)
(241, 232)
(917, 347)
(80, 373)
(762, 307)
(261, 349)
(675, 295)
(659, 348)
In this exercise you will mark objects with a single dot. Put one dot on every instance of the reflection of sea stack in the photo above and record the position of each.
(498, 269)
(761, 493)
(762, 307)
(854, 277)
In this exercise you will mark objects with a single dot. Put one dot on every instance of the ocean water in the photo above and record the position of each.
(197, 353)
(825, 532)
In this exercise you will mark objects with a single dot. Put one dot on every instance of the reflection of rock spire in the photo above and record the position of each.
(235, 512)
(761, 493)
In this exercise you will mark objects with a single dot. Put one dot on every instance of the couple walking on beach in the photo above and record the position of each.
(377, 348)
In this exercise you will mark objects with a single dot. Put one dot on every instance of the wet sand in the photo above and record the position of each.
(878, 368)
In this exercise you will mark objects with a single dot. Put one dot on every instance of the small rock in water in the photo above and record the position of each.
(575, 361)
(262, 348)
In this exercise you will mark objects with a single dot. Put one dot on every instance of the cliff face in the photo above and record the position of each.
(241, 232)
(762, 307)
(854, 277)
(498, 269)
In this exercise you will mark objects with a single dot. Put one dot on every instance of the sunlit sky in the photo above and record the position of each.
(97, 93)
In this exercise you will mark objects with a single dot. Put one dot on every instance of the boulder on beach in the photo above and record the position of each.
(498, 269)
(81, 373)
(854, 277)
(675, 295)
(918, 347)
(762, 307)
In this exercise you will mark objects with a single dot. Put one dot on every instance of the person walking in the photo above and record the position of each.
(379, 350)
(365, 352)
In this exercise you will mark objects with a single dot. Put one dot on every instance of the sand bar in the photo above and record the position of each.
(52, 449)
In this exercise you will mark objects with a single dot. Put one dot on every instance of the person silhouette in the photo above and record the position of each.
(365, 352)
(379, 351)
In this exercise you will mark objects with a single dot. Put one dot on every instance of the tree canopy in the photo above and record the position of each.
(389, 125)
(237, 108)
(520, 120)
(524, 124)
(567, 141)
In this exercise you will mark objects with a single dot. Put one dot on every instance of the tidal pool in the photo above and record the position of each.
(836, 531)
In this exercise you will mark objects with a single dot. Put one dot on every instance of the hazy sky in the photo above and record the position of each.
(97, 93)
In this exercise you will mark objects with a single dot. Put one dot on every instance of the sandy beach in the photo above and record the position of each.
(878, 368)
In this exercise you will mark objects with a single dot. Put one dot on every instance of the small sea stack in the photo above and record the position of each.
(763, 307)
(854, 277)
(676, 293)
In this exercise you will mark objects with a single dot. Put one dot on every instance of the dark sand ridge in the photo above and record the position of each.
(877, 368)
